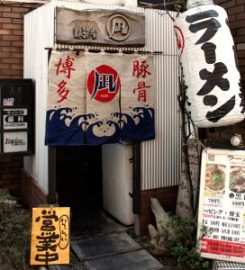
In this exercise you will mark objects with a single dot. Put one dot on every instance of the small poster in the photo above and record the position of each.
(15, 142)
(15, 118)
(15, 93)
(8, 102)
(221, 219)
(50, 240)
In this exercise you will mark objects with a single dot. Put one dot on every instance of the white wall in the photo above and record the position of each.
(160, 158)
(37, 36)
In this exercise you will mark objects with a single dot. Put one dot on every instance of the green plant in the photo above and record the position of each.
(183, 245)
(14, 232)
(179, 5)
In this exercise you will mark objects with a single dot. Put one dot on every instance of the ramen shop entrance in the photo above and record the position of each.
(79, 179)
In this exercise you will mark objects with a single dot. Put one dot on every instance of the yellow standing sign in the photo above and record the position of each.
(50, 238)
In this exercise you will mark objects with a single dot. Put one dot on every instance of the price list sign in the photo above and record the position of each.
(16, 116)
(221, 218)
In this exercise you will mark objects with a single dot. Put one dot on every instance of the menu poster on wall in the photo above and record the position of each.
(16, 116)
(221, 218)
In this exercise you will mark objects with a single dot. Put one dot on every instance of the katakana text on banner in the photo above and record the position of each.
(211, 81)
(96, 99)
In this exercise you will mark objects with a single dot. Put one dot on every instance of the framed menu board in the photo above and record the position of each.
(16, 116)
(222, 205)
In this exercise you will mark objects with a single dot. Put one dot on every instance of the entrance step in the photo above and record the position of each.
(59, 267)
(90, 225)
(103, 245)
(133, 260)
(99, 243)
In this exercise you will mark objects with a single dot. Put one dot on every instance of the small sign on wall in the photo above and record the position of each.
(15, 142)
(8, 102)
(50, 239)
(16, 116)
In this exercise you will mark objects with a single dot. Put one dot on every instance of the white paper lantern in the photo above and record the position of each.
(208, 61)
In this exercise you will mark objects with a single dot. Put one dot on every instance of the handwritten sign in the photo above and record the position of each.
(222, 205)
(50, 240)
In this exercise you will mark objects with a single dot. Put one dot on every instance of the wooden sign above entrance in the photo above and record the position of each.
(100, 27)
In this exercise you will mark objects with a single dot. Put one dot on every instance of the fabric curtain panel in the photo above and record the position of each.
(97, 98)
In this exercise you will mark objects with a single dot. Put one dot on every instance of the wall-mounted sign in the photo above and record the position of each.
(15, 142)
(100, 27)
(50, 237)
(16, 116)
(222, 205)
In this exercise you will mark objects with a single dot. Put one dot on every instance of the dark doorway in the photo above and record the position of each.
(79, 178)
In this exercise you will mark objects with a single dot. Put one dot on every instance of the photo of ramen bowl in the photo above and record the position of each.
(237, 180)
(215, 177)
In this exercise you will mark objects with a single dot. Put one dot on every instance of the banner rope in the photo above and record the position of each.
(120, 51)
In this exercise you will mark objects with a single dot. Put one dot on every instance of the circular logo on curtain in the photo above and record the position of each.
(103, 83)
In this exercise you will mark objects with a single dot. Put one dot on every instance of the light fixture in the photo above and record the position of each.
(236, 140)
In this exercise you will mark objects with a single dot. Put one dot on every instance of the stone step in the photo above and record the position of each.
(93, 225)
(103, 245)
(132, 260)
(59, 267)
